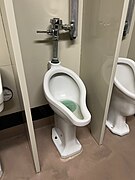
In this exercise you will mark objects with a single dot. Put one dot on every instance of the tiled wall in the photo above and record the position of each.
(31, 16)
(35, 15)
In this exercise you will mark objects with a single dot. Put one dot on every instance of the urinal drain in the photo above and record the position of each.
(70, 105)
(73, 107)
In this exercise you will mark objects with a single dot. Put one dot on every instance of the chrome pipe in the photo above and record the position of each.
(74, 4)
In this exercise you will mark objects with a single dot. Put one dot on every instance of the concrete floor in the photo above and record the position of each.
(114, 160)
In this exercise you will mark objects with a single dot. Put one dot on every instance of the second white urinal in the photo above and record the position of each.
(123, 97)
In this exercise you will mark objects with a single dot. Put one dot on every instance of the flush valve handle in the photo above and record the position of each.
(47, 32)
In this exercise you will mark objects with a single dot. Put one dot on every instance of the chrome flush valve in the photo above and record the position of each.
(54, 30)
(56, 26)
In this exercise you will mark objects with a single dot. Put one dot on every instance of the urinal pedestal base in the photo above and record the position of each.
(119, 126)
(64, 137)
(66, 150)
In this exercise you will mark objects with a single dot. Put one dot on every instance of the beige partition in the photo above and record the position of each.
(15, 53)
(8, 78)
(102, 28)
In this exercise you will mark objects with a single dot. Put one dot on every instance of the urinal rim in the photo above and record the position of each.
(130, 63)
(67, 112)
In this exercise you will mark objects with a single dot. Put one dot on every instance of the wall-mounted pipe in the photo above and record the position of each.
(74, 18)
(128, 18)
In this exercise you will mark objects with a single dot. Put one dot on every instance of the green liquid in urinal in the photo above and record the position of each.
(73, 107)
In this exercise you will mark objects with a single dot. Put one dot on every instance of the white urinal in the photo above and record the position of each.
(66, 94)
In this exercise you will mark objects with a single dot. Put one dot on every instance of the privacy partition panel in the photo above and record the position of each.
(13, 42)
(102, 29)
